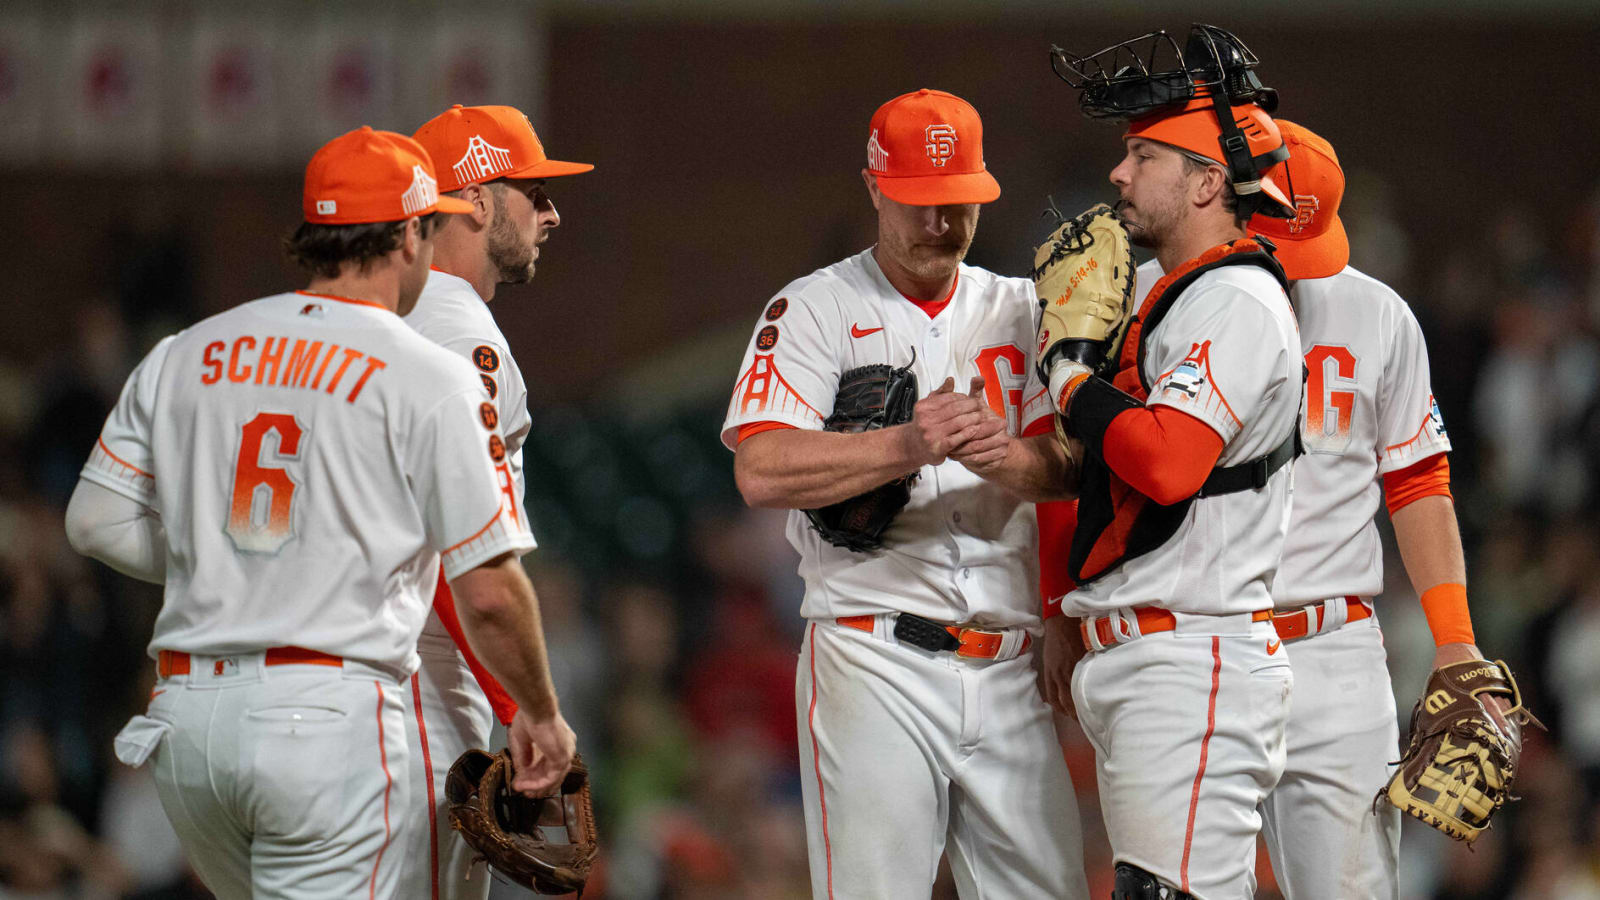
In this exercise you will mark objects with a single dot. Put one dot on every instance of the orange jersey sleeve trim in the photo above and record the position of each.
(1161, 452)
(1445, 605)
(755, 428)
(1057, 521)
(1428, 478)
(1042, 425)
(120, 461)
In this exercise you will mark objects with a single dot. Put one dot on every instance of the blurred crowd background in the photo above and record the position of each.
(152, 160)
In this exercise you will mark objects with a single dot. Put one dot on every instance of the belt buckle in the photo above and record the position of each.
(988, 643)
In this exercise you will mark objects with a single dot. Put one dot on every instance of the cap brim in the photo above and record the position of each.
(454, 205)
(1322, 256)
(550, 168)
(939, 190)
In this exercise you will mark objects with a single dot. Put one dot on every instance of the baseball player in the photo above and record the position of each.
(295, 470)
(489, 157)
(1184, 691)
(920, 730)
(1371, 430)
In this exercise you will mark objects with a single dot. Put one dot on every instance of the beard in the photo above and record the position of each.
(927, 261)
(1147, 227)
(511, 256)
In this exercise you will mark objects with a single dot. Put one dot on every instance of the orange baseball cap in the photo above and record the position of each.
(926, 149)
(1194, 128)
(1314, 243)
(477, 144)
(372, 176)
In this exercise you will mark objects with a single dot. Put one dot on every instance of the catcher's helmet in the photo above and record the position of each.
(1206, 99)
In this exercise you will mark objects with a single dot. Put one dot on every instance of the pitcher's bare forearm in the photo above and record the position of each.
(500, 615)
(1430, 542)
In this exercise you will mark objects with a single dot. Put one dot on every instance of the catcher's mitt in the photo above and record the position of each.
(513, 832)
(1083, 275)
(1460, 761)
(869, 397)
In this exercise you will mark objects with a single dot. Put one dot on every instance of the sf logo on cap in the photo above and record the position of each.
(941, 143)
(1305, 209)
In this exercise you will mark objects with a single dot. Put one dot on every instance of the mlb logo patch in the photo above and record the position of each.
(327, 207)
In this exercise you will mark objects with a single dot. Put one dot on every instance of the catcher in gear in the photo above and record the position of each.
(508, 829)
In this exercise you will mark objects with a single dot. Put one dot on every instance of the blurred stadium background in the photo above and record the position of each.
(152, 154)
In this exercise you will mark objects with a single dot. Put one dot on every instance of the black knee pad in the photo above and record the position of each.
(1134, 883)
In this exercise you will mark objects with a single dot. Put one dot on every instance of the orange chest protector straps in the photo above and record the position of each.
(1116, 522)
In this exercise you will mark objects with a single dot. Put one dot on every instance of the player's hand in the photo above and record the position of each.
(989, 446)
(1062, 650)
(941, 422)
(541, 752)
(1448, 654)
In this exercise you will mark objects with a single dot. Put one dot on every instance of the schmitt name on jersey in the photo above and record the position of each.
(274, 361)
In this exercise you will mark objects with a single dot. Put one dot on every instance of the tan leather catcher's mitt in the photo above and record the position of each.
(1460, 762)
(546, 844)
(1083, 276)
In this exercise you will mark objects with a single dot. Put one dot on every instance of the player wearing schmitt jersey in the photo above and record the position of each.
(1185, 491)
(1371, 431)
(294, 470)
(487, 156)
(920, 729)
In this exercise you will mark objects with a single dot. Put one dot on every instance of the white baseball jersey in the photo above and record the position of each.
(311, 458)
(1369, 410)
(451, 314)
(963, 549)
(1227, 354)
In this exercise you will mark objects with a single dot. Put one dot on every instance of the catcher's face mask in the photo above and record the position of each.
(1205, 98)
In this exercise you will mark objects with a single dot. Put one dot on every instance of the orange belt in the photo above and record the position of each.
(976, 643)
(1151, 620)
(1308, 619)
(176, 662)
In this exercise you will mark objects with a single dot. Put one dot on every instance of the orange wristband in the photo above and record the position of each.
(1445, 605)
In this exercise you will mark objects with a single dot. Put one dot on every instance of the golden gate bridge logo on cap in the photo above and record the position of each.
(941, 143)
(877, 157)
(423, 193)
(481, 160)
(1305, 209)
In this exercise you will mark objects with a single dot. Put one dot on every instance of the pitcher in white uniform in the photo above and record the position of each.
(487, 156)
(1372, 431)
(1184, 503)
(908, 749)
(295, 470)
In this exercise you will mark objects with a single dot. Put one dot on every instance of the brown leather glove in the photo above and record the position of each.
(1460, 761)
(509, 830)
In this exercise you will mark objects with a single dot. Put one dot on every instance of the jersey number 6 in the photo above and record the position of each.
(1325, 366)
(256, 486)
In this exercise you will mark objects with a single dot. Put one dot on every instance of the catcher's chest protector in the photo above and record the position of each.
(1115, 522)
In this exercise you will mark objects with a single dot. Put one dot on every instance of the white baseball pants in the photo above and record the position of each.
(906, 754)
(1322, 834)
(282, 782)
(1188, 732)
(446, 714)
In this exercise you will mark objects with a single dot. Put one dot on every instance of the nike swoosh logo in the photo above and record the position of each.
(859, 332)
(1272, 647)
